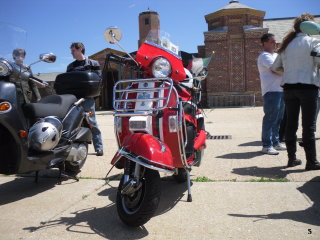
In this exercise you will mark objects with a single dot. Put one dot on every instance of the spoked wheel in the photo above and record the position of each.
(75, 166)
(181, 176)
(137, 208)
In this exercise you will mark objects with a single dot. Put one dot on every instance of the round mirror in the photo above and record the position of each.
(202, 75)
(48, 57)
(112, 35)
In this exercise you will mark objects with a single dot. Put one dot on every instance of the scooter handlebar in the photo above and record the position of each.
(122, 60)
(39, 81)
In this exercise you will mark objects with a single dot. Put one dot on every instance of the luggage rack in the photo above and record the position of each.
(144, 100)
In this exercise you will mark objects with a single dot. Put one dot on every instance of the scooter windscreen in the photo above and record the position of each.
(159, 57)
(12, 51)
(163, 40)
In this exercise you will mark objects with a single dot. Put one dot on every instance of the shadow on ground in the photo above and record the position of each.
(105, 222)
(309, 216)
(242, 155)
(251, 144)
(270, 172)
(24, 187)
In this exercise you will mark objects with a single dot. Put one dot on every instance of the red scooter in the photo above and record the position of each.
(158, 125)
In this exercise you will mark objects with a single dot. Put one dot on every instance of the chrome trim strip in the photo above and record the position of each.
(141, 89)
(118, 101)
(81, 100)
(128, 155)
(115, 130)
(182, 128)
(144, 80)
(139, 100)
(132, 114)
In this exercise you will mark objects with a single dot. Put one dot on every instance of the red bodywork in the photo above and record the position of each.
(151, 146)
(148, 53)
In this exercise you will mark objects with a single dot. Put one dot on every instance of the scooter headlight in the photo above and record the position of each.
(161, 68)
(5, 68)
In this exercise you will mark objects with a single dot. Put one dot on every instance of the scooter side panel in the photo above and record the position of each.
(12, 147)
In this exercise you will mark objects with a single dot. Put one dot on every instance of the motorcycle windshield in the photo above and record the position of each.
(162, 40)
(12, 37)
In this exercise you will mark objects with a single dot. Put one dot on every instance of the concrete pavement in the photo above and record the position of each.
(231, 204)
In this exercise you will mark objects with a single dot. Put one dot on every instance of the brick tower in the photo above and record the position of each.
(148, 20)
(234, 35)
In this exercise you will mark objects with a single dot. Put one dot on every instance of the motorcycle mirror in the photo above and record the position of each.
(48, 57)
(202, 75)
(112, 35)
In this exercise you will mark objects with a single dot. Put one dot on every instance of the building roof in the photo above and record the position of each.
(233, 8)
(148, 12)
(107, 50)
(281, 26)
(234, 4)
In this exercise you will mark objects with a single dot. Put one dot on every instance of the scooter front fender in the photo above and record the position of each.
(147, 151)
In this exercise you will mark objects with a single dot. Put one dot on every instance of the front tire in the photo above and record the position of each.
(137, 209)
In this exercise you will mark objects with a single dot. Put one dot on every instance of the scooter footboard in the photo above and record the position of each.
(147, 151)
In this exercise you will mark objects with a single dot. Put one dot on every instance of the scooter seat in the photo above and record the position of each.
(52, 105)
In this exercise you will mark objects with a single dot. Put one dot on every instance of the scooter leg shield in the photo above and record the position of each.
(152, 150)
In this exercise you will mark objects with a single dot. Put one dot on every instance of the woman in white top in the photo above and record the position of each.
(300, 82)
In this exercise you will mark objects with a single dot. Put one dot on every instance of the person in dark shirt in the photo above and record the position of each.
(83, 63)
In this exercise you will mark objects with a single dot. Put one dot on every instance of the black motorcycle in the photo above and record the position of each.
(51, 133)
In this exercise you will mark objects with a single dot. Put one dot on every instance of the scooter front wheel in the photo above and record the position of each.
(137, 208)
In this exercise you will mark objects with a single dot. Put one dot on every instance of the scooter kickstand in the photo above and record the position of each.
(189, 186)
(63, 174)
(36, 177)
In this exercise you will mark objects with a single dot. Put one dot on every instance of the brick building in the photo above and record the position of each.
(233, 33)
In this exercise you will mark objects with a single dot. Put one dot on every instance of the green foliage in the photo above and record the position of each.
(202, 179)
(262, 179)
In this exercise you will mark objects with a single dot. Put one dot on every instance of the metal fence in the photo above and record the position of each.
(248, 100)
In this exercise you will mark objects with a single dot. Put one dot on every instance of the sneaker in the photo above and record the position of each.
(99, 153)
(269, 151)
(280, 147)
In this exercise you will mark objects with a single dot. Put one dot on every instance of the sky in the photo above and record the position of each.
(52, 25)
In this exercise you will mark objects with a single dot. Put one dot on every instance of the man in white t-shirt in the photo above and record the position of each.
(272, 93)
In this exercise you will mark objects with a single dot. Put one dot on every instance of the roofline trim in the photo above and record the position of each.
(235, 11)
(286, 18)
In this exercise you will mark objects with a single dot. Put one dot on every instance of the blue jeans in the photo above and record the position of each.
(273, 107)
(89, 105)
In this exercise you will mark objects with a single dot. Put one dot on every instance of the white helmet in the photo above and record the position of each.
(45, 134)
